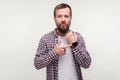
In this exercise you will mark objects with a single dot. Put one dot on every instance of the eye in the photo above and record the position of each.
(67, 16)
(59, 16)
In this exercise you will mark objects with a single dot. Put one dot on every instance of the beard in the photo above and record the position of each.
(63, 28)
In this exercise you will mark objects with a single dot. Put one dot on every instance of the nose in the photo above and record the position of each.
(63, 19)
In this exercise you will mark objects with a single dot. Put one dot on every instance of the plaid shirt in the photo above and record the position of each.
(46, 56)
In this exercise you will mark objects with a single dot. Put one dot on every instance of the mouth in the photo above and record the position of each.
(63, 25)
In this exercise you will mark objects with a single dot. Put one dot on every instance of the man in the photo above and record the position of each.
(62, 51)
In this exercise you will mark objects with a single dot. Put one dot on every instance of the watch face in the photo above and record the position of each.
(74, 44)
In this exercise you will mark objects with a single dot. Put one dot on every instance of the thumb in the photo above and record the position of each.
(59, 42)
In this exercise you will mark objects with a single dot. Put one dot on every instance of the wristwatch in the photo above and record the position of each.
(74, 44)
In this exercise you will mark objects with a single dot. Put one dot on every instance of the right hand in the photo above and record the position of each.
(60, 51)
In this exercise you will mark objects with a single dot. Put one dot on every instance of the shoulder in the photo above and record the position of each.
(47, 36)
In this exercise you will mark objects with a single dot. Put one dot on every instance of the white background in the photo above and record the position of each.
(24, 22)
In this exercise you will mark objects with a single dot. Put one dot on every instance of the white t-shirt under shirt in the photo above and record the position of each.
(66, 65)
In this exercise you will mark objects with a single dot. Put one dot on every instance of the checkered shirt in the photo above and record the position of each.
(46, 56)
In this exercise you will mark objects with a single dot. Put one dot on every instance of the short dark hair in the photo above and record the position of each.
(61, 6)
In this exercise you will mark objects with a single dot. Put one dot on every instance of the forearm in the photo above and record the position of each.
(41, 61)
(82, 56)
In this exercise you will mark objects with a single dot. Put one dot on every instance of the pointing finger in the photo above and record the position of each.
(66, 46)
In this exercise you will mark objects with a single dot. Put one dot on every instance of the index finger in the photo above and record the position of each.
(66, 46)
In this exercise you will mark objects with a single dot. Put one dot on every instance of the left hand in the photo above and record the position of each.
(71, 37)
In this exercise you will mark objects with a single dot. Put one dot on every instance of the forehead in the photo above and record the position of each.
(63, 11)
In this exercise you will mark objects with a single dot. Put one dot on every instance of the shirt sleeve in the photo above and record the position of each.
(81, 54)
(43, 57)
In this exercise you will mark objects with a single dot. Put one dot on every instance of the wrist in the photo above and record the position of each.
(74, 44)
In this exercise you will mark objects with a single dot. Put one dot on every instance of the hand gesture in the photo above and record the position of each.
(71, 37)
(60, 50)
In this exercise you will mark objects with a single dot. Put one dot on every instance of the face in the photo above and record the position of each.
(63, 20)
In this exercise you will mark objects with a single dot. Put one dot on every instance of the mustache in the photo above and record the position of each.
(64, 23)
